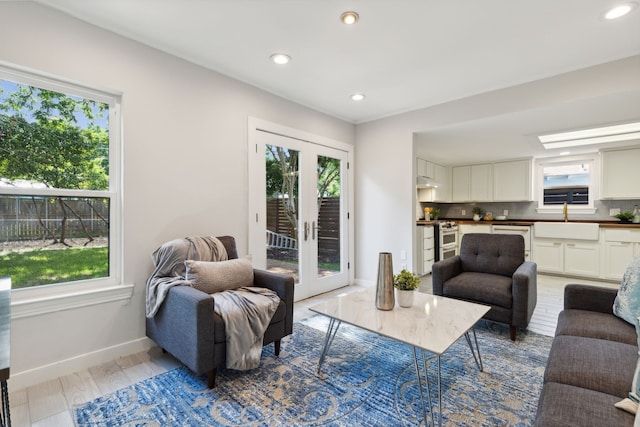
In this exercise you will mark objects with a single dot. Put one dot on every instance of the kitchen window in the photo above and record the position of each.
(567, 180)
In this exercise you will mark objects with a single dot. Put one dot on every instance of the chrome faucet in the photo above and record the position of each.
(565, 211)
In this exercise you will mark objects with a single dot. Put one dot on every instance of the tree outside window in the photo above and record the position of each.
(54, 186)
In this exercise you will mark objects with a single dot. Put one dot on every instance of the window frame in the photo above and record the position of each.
(65, 295)
(593, 159)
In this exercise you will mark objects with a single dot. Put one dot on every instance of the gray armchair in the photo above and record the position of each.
(491, 270)
(186, 326)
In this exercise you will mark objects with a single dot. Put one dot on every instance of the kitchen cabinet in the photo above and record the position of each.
(441, 193)
(562, 256)
(472, 183)
(619, 247)
(427, 249)
(425, 168)
(619, 179)
(482, 182)
(512, 181)
(461, 183)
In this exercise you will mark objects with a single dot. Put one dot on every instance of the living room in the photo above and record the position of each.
(180, 116)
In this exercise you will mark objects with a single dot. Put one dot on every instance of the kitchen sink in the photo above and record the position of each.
(567, 230)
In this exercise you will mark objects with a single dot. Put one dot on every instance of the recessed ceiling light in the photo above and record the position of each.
(349, 18)
(620, 10)
(565, 153)
(358, 96)
(280, 58)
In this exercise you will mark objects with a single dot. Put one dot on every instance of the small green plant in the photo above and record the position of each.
(406, 281)
(435, 213)
(477, 210)
(625, 216)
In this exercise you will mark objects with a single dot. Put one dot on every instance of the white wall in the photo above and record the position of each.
(185, 169)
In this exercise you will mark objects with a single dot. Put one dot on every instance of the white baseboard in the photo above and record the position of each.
(31, 377)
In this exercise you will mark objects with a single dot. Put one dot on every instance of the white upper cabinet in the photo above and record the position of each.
(619, 174)
(440, 175)
(512, 181)
(482, 182)
(493, 182)
(461, 183)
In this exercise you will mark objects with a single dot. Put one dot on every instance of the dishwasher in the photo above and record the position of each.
(522, 230)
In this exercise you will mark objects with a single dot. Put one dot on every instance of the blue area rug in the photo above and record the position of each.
(366, 380)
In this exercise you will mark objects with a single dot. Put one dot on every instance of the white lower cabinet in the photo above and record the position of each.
(549, 256)
(567, 257)
(427, 249)
(620, 246)
(582, 258)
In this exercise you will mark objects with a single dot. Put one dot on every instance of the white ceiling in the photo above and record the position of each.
(403, 54)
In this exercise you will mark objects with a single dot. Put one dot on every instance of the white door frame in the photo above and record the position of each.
(256, 182)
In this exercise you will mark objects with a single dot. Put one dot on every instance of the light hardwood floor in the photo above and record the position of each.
(50, 404)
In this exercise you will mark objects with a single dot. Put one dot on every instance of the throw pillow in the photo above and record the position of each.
(627, 303)
(218, 276)
(630, 404)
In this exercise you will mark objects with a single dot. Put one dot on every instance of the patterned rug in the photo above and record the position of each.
(366, 380)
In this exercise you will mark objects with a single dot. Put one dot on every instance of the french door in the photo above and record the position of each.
(299, 195)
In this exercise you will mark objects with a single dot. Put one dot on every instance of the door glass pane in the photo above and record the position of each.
(282, 169)
(328, 221)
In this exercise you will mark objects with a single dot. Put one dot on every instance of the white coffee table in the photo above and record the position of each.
(432, 324)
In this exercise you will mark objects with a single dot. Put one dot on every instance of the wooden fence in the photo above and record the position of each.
(28, 218)
(328, 226)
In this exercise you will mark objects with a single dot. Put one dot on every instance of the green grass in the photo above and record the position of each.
(47, 266)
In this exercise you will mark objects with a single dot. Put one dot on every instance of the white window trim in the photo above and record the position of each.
(594, 179)
(63, 296)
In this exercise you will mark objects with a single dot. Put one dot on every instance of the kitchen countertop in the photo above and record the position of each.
(529, 222)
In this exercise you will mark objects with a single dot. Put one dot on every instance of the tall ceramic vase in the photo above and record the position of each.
(384, 292)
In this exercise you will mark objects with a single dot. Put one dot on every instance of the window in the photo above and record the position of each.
(570, 181)
(59, 184)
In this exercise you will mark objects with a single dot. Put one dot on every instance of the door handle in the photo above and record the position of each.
(306, 231)
(313, 230)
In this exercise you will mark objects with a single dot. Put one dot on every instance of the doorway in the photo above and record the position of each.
(299, 204)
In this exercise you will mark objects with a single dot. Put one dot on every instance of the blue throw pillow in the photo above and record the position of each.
(627, 303)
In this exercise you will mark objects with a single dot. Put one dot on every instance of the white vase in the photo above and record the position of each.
(476, 217)
(405, 298)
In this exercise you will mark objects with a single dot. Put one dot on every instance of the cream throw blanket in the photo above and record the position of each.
(246, 313)
(170, 269)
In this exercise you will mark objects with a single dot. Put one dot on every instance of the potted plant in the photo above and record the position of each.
(435, 213)
(405, 283)
(624, 216)
(478, 212)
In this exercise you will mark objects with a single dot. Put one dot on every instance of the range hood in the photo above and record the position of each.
(426, 182)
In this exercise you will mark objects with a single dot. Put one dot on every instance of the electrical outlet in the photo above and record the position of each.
(614, 211)
(403, 266)
(505, 212)
(463, 212)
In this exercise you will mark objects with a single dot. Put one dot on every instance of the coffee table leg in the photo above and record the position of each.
(478, 359)
(426, 377)
(328, 339)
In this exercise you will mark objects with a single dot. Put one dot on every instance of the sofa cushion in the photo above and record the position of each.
(592, 324)
(481, 288)
(492, 253)
(211, 277)
(567, 405)
(596, 364)
(627, 302)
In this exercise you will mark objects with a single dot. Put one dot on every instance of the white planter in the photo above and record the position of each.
(405, 298)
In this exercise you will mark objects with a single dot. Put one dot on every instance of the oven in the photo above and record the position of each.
(446, 240)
